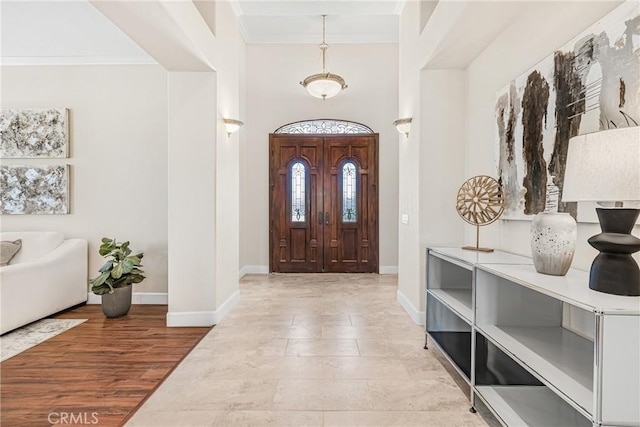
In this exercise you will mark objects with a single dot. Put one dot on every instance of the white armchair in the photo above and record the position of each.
(47, 275)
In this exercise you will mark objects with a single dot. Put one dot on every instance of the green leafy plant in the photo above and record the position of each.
(121, 269)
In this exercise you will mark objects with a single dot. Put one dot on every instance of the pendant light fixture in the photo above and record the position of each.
(324, 85)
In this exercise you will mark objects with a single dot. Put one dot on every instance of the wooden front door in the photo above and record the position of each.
(323, 203)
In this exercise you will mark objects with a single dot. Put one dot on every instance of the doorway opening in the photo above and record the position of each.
(323, 198)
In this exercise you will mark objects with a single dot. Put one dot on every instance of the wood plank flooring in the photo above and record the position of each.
(98, 372)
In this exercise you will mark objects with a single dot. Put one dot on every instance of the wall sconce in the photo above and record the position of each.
(232, 125)
(403, 126)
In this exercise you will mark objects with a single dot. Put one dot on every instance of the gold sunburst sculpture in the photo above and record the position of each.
(480, 202)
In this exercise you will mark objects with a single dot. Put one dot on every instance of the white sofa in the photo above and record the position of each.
(47, 275)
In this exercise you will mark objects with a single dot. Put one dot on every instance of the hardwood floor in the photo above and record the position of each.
(98, 372)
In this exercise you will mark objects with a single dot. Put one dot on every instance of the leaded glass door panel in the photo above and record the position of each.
(296, 181)
(350, 199)
(323, 203)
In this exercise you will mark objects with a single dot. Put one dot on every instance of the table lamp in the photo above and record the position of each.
(605, 167)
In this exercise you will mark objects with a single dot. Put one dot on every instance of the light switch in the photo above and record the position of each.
(405, 219)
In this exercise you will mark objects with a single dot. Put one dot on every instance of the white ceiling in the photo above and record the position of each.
(62, 31)
(299, 21)
(75, 32)
(69, 31)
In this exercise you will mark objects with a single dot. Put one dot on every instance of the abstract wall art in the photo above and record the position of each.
(590, 84)
(34, 189)
(34, 133)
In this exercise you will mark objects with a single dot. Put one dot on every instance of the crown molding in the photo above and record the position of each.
(237, 8)
(242, 29)
(75, 60)
(313, 39)
(399, 7)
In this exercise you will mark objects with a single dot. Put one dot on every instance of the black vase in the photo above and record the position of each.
(614, 271)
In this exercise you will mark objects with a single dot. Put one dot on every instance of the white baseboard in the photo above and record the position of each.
(388, 269)
(264, 269)
(93, 298)
(203, 318)
(226, 307)
(191, 318)
(416, 315)
(152, 298)
(254, 269)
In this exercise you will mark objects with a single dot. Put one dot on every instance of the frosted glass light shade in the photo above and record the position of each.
(324, 85)
(603, 166)
(232, 125)
(403, 125)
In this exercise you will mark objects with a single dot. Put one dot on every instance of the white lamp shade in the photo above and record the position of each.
(603, 166)
(325, 85)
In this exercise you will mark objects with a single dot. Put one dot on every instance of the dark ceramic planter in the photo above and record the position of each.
(118, 303)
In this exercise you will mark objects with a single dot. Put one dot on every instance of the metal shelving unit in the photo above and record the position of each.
(520, 355)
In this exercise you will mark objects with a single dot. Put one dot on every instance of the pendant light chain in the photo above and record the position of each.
(323, 28)
(324, 46)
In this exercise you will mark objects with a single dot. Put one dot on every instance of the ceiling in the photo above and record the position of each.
(75, 32)
(299, 21)
(40, 32)
(45, 31)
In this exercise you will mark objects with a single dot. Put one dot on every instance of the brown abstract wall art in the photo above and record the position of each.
(590, 84)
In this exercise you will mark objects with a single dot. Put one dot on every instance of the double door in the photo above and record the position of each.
(323, 203)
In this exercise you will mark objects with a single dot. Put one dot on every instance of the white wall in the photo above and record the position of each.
(118, 156)
(409, 289)
(431, 161)
(275, 98)
(441, 163)
(192, 199)
(544, 27)
(204, 196)
(243, 258)
(195, 194)
(230, 60)
(455, 108)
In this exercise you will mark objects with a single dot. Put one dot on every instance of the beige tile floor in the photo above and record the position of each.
(311, 350)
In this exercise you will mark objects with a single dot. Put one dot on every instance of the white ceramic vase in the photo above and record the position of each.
(553, 242)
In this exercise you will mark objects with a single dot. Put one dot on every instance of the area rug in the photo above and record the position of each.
(33, 334)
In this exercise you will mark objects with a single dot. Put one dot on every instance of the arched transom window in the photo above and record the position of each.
(349, 192)
(324, 126)
(298, 192)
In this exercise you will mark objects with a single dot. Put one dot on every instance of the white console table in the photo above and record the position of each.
(507, 330)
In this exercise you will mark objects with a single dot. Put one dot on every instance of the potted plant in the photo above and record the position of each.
(121, 270)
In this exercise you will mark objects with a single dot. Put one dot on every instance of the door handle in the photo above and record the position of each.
(320, 216)
(326, 218)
